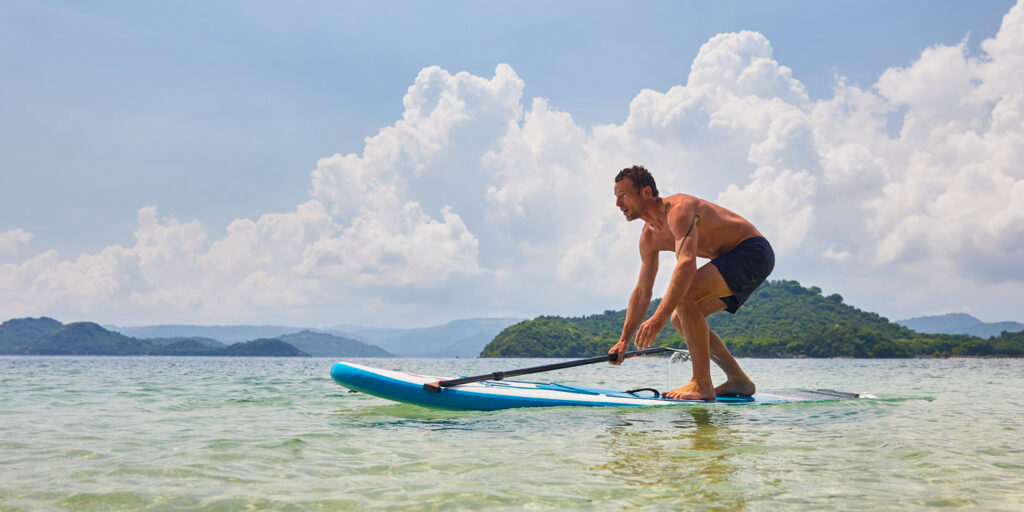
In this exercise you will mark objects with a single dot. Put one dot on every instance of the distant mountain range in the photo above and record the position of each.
(959, 323)
(460, 338)
(321, 344)
(222, 333)
(46, 336)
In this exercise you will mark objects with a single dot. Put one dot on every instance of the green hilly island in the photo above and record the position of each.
(781, 319)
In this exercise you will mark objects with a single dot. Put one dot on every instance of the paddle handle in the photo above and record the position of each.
(436, 386)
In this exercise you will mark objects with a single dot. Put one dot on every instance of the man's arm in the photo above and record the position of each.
(684, 224)
(639, 300)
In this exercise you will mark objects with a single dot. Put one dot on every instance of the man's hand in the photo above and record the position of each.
(649, 330)
(619, 349)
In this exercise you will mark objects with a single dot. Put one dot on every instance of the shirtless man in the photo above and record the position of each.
(741, 260)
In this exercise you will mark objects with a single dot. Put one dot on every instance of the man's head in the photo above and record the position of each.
(640, 177)
(634, 186)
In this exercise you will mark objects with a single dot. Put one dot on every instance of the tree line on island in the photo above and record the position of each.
(781, 319)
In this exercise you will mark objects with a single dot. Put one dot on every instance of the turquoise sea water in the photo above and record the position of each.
(157, 433)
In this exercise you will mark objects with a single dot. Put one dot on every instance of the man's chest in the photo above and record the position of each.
(662, 239)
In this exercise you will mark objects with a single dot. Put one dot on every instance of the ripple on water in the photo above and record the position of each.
(232, 434)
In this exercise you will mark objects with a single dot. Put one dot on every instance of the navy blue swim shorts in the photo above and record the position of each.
(744, 269)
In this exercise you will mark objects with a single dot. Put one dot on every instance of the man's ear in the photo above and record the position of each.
(646, 193)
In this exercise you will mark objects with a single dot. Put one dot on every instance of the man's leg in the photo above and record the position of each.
(737, 382)
(707, 284)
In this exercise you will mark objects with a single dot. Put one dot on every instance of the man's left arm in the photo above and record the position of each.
(684, 225)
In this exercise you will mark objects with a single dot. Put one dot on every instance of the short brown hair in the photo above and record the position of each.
(640, 177)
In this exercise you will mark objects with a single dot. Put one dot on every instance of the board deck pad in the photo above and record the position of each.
(492, 395)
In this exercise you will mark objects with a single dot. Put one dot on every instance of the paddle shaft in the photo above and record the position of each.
(436, 386)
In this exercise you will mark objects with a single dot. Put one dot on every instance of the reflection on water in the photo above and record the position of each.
(688, 454)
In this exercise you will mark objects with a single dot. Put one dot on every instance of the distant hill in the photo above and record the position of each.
(256, 348)
(781, 319)
(18, 333)
(206, 342)
(321, 344)
(459, 338)
(187, 347)
(87, 338)
(223, 333)
(959, 323)
(263, 348)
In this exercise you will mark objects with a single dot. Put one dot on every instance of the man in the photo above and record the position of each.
(741, 260)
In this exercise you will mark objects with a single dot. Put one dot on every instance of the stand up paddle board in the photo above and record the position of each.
(489, 395)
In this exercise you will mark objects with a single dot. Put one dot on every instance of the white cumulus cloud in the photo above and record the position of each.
(11, 240)
(479, 201)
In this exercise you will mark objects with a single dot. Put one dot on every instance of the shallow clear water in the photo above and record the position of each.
(138, 433)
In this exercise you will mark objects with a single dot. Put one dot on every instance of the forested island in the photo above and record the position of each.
(781, 319)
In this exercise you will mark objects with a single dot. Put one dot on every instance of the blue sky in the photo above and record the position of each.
(210, 113)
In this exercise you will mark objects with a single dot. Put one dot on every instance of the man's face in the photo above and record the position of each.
(628, 199)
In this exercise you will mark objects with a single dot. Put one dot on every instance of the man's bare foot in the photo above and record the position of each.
(736, 387)
(692, 391)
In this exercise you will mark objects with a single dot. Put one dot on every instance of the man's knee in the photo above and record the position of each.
(686, 309)
(711, 306)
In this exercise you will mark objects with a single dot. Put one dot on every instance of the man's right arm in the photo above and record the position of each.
(639, 300)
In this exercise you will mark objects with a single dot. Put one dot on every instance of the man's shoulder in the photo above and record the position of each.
(680, 205)
(647, 237)
(682, 199)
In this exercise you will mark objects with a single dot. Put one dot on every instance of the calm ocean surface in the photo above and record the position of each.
(160, 433)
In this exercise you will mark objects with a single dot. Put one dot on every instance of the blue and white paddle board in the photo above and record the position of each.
(492, 395)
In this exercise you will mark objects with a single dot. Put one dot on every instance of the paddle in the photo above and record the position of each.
(436, 386)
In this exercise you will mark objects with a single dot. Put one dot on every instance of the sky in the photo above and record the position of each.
(402, 164)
